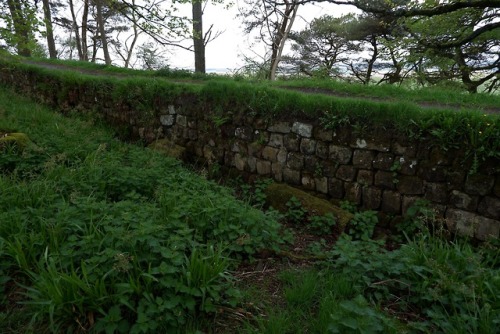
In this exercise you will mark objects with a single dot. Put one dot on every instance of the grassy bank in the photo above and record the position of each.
(97, 234)
(101, 236)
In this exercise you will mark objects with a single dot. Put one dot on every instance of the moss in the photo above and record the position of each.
(168, 148)
(20, 140)
(279, 194)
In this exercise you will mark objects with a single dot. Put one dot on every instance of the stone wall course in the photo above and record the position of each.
(377, 169)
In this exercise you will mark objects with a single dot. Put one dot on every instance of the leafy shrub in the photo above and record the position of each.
(362, 225)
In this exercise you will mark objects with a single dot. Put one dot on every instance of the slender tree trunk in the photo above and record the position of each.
(75, 29)
(50, 33)
(85, 17)
(21, 28)
(371, 62)
(198, 38)
(102, 32)
(281, 37)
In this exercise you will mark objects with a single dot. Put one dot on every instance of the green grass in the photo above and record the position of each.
(100, 235)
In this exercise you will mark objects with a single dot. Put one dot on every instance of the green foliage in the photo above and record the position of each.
(110, 237)
(296, 212)
(362, 225)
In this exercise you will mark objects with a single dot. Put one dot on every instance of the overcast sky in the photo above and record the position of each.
(226, 51)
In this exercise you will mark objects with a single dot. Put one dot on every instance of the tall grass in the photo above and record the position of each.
(98, 235)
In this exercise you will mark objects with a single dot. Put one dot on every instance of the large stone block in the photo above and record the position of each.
(391, 202)
(322, 134)
(302, 129)
(346, 173)
(353, 192)
(322, 150)
(263, 167)
(386, 180)
(276, 140)
(340, 154)
(461, 200)
(363, 158)
(410, 185)
(291, 176)
(384, 161)
(280, 127)
(321, 184)
(307, 146)
(335, 188)
(365, 177)
(479, 184)
(291, 142)
(436, 192)
(244, 132)
(308, 182)
(490, 207)
(372, 197)
(270, 153)
(295, 161)
(472, 225)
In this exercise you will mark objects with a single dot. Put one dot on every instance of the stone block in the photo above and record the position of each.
(365, 177)
(436, 192)
(255, 149)
(270, 153)
(353, 192)
(239, 147)
(239, 162)
(308, 146)
(383, 161)
(479, 184)
(252, 164)
(276, 140)
(322, 150)
(281, 157)
(280, 127)
(340, 154)
(302, 129)
(291, 142)
(181, 120)
(244, 132)
(263, 167)
(496, 189)
(335, 188)
(386, 180)
(408, 202)
(470, 224)
(371, 144)
(346, 173)
(291, 176)
(391, 202)
(461, 200)
(312, 164)
(455, 179)
(295, 160)
(409, 151)
(490, 207)
(308, 182)
(407, 166)
(167, 120)
(372, 197)
(430, 172)
(410, 185)
(321, 184)
(322, 134)
(363, 158)
(277, 170)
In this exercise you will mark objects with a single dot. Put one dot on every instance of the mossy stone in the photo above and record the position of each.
(21, 140)
(168, 148)
(279, 194)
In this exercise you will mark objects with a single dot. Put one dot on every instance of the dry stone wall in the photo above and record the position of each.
(373, 168)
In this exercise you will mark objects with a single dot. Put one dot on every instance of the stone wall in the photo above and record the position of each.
(373, 168)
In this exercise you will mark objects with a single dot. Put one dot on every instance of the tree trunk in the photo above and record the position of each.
(102, 32)
(75, 29)
(50, 33)
(371, 62)
(282, 35)
(198, 38)
(85, 17)
(21, 28)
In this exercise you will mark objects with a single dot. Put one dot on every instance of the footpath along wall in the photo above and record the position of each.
(374, 168)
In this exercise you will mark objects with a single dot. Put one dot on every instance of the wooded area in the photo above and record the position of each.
(454, 42)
